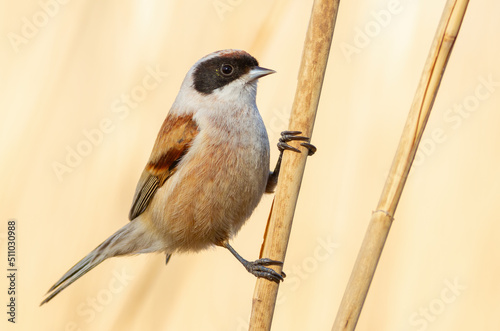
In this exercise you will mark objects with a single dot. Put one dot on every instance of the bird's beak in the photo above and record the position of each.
(257, 72)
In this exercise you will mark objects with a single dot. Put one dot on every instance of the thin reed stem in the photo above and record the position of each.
(312, 69)
(382, 217)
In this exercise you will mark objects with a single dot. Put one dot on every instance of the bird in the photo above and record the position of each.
(208, 170)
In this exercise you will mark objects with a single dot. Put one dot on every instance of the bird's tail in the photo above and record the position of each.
(133, 238)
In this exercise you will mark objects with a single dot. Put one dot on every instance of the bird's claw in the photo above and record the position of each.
(287, 136)
(258, 269)
(310, 147)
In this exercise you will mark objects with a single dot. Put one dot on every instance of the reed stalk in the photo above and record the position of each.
(312, 69)
(383, 216)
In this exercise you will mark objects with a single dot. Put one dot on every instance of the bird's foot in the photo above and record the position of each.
(258, 269)
(287, 136)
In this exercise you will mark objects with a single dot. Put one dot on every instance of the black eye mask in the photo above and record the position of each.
(215, 73)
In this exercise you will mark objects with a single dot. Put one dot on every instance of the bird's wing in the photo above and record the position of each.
(173, 142)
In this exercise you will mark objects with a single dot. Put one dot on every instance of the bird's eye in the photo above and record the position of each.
(226, 69)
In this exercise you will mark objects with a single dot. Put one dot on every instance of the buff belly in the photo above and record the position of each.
(209, 199)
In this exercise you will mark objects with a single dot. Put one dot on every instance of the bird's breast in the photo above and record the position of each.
(218, 184)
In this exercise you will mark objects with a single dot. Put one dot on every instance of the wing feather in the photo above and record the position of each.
(173, 142)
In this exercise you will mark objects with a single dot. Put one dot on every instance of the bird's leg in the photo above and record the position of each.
(257, 268)
(287, 136)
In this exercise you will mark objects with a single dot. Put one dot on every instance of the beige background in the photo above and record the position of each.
(441, 264)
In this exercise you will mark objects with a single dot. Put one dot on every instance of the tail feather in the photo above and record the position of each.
(130, 239)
